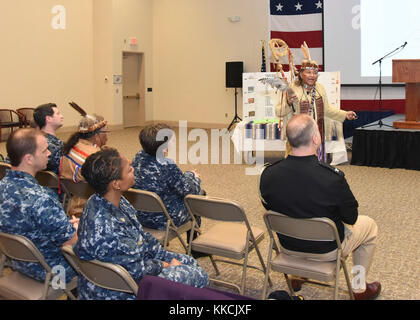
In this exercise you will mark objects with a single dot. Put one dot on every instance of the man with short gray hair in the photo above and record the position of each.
(303, 187)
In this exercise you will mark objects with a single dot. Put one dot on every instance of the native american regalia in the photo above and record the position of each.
(312, 101)
(71, 163)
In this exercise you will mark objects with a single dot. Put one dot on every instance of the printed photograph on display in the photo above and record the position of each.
(260, 98)
(260, 128)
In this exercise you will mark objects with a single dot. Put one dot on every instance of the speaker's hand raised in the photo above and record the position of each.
(351, 115)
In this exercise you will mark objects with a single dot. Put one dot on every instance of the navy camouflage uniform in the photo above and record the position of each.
(169, 183)
(115, 235)
(55, 146)
(33, 211)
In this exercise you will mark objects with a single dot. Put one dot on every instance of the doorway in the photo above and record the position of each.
(133, 89)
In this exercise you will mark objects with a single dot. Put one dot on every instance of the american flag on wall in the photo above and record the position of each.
(296, 21)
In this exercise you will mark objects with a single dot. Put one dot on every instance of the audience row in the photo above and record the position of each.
(110, 229)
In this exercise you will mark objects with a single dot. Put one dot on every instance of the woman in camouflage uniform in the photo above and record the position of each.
(109, 231)
(154, 172)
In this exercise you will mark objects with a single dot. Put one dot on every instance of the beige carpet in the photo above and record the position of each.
(390, 196)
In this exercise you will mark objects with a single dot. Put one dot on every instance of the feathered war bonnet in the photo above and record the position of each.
(307, 62)
(89, 123)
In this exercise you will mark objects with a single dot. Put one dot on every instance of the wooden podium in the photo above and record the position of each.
(408, 71)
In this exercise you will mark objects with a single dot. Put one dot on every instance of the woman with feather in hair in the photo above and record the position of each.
(90, 136)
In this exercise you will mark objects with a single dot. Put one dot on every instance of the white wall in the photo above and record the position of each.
(39, 64)
(133, 18)
(192, 42)
(186, 44)
(103, 26)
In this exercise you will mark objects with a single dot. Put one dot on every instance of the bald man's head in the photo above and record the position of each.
(300, 130)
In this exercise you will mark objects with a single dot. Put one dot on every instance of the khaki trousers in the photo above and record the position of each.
(359, 239)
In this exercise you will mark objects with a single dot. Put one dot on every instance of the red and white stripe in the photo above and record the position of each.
(296, 29)
(367, 99)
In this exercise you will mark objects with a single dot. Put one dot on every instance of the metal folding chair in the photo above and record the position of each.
(3, 169)
(15, 285)
(80, 189)
(50, 180)
(150, 202)
(103, 274)
(304, 265)
(232, 237)
(9, 119)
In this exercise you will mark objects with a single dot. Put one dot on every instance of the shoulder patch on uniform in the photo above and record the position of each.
(331, 168)
(268, 164)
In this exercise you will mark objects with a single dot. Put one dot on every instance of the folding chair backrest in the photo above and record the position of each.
(150, 202)
(47, 179)
(28, 115)
(80, 189)
(106, 275)
(10, 116)
(3, 168)
(314, 229)
(18, 247)
(214, 208)
(143, 200)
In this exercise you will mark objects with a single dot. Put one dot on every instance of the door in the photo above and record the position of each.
(133, 89)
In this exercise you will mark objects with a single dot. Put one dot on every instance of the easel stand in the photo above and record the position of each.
(236, 118)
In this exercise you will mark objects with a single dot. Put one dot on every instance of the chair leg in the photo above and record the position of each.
(336, 288)
(165, 241)
(244, 273)
(70, 286)
(346, 274)
(262, 263)
(267, 270)
(2, 263)
(226, 284)
(182, 241)
(46, 285)
(69, 294)
(214, 265)
(337, 275)
(289, 284)
(64, 203)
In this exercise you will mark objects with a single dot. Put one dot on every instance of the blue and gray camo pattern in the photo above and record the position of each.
(169, 183)
(33, 211)
(115, 235)
(55, 146)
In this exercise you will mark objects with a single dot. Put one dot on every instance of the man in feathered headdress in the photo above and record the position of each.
(310, 98)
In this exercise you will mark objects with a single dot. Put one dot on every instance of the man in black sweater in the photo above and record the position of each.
(302, 187)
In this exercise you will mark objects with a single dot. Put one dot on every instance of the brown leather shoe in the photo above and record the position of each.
(372, 292)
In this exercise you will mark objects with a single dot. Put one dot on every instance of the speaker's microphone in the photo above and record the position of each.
(405, 43)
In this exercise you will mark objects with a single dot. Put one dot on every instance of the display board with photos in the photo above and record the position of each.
(259, 103)
(260, 98)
